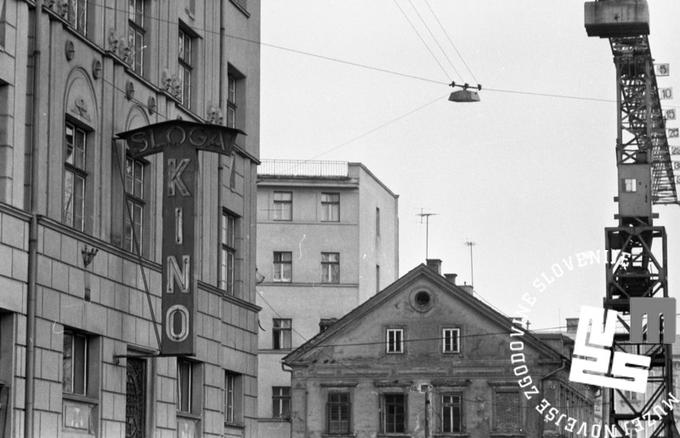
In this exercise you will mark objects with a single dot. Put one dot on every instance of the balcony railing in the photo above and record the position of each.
(298, 168)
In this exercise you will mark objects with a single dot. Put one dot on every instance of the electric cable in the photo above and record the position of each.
(434, 38)
(421, 38)
(450, 40)
(379, 69)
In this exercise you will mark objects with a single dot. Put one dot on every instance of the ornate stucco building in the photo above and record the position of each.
(425, 358)
(80, 228)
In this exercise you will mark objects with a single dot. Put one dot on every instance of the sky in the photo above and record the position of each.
(530, 179)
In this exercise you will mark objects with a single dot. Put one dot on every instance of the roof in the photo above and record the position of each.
(397, 287)
(280, 170)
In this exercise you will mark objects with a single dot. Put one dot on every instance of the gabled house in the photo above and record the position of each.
(425, 358)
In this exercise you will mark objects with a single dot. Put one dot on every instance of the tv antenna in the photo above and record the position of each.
(472, 271)
(427, 229)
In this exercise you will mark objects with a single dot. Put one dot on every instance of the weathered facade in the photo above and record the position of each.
(425, 358)
(80, 227)
(327, 241)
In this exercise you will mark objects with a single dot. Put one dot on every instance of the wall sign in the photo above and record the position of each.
(179, 141)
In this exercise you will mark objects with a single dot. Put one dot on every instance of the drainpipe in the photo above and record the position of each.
(306, 412)
(29, 387)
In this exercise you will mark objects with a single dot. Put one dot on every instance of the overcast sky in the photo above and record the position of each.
(530, 179)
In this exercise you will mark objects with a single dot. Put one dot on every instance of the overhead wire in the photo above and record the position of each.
(427, 46)
(435, 39)
(450, 40)
(382, 125)
(374, 68)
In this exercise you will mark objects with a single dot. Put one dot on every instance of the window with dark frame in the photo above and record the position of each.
(232, 398)
(185, 385)
(283, 206)
(338, 413)
(136, 34)
(330, 267)
(281, 401)
(232, 103)
(75, 361)
(394, 341)
(134, 198)
(185, 55)
(79, 394)
(282, 334)
(507, 413)
(392, 413)
(228, 224)
(77, 15)
(75, 177)
(452, 413)
(330, 207)
(451, 340)
(283, 266)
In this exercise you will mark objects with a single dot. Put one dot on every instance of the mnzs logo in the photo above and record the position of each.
(593, 362)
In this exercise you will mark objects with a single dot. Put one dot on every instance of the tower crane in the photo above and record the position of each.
(636, 248)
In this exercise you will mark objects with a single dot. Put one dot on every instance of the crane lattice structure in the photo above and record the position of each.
(636, 248)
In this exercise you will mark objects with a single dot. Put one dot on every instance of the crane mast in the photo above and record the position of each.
(636, 248)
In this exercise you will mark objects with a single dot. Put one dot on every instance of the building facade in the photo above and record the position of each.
(327, 241)
(425, 358)
(80, 230)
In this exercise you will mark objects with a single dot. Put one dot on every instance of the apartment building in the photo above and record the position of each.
(327, 241)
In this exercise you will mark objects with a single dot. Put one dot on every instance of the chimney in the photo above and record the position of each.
(435, 265)
(468, 288)
(451, 277)
(572, 325)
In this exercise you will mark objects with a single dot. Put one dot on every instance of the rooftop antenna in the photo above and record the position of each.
(472, 271)
(427, 229)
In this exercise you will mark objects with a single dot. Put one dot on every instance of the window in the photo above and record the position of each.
(451, 340)
(283, 206)
(392, 413)
(395, 341)
(283, 266)
(233, 399)
(77, 15)
(188, 397)
(232, 106)
(78, 385)
(185, 385)
(330, 207)
(75, 363)
(281, 401)
(227, 252)
(281, 334)
(452, 413)
(506, 413)
(75, 177)
(377, 221)
(338, 409)
(134, 197)
(630, 185)
(185, 54)
(330, 267)
(136, 9)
